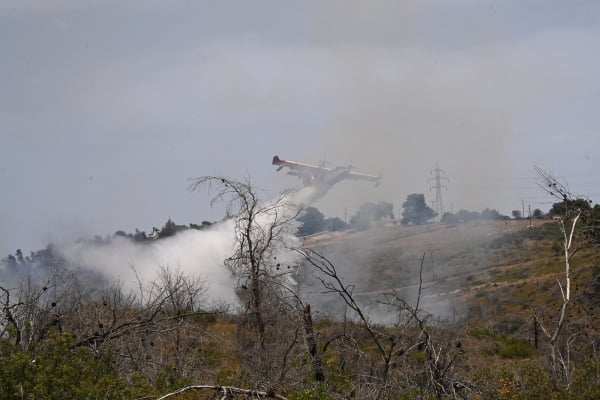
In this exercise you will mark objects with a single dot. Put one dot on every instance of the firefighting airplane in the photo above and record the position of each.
(321, 177)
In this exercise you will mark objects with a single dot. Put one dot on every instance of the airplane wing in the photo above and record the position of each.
(323, 174)
(298, 169)
(365, 177)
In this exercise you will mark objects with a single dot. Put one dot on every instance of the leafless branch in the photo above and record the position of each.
(335, 285)
(226, 392)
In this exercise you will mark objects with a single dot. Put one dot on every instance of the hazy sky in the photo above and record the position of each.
(108, 107)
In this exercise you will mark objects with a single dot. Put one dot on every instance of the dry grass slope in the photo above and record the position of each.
(492, 276)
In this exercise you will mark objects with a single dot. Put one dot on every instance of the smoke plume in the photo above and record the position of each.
(196, 253)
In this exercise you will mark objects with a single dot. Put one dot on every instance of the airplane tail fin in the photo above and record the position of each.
(276, 160)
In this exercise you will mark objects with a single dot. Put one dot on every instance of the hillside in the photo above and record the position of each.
(487, 278)
(470, 334)
(466, 265)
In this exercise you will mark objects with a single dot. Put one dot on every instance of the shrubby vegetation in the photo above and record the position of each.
(63, 337)
(313, 221)
(487, 214)
(169, 229)
(416, 210)
(57, 369)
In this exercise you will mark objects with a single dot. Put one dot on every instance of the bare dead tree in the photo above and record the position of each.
(441, 351)
(151, 330)
(332, 282)
(31, 310)
(260, 231)
(300, 316)
(312, 345)
(376, 376)
(272, 317)
(560, 361)
(394, 344)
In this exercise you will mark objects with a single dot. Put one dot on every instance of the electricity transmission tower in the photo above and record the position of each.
(438, 186)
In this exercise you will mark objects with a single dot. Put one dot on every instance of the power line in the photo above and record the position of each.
(438, 178)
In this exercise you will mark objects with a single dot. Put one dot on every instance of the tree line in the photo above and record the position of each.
(415, 211)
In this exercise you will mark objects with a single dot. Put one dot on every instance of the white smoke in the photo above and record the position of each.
(195, 253)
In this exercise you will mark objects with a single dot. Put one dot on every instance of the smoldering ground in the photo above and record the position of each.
(432, 265)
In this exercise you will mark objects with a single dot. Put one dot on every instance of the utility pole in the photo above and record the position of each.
(438, 186)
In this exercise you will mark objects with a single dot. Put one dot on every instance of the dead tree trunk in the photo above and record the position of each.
(560, 364)
(312, 344)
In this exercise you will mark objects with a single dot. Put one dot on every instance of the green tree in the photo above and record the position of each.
(466, 215)
(11, 262)
(516, 214)
(449, 218)
(19, 255)
(569, 206)
(416, 210)
(591, 223)
(121, 234)
(169, 229)
(140, 236)
(58, 370)
(312, 220)
(335, 224)
(492, 214)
